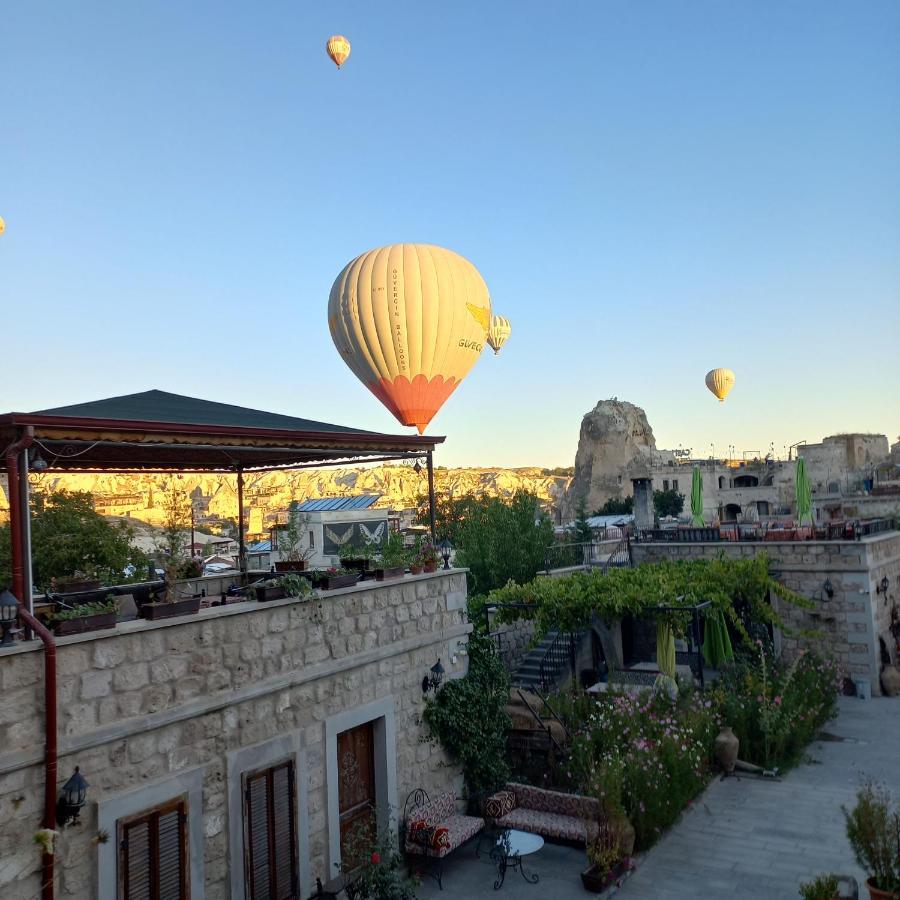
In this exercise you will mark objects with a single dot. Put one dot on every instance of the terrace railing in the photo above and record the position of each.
(847, 530)
(559, 657)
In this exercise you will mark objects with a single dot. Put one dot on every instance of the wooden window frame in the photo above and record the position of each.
(153, 814)
(268, 771)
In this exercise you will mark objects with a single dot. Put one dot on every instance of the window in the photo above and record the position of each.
(312, 540)
(270, 833)
(665, 484)
(618, 479)
(153, 853)
(674, 484)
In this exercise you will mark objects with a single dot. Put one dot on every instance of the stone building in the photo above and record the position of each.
(852, 613)
(188, 730)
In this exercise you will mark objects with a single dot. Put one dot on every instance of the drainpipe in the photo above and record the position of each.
(16, 524)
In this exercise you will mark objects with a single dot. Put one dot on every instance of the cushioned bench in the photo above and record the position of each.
(551, 814)
(434, 828)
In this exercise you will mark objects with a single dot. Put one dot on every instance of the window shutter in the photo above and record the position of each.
(153, 854)
(270, 823)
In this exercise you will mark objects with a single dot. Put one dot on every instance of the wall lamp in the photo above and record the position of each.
(71, 800)
(433, 682)
(9, 611)
(37, 463)
(883, 585)
(828, 587)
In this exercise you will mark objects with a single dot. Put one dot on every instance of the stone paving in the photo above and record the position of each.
(744, 838)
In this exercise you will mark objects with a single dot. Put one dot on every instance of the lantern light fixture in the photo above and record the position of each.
(9, 611)
(72, 799)
(828, 587)
(433, 682)
(446, 549)
(883, 585)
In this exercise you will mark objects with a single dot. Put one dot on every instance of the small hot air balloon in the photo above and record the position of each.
(338, 48)
(720, 382)
(498, 332)
(410, 322)
(2, 225)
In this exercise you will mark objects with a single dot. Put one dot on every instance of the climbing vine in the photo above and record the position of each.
(571, 602)
(468, 718)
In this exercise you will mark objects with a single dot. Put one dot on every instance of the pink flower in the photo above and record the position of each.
(759, 698)
(778, 701)
(376, 858)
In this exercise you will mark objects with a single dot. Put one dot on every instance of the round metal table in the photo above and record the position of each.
(507, 852)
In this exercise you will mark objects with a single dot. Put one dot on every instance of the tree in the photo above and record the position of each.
(583, 532)
(616, 506)
(668, 503)
(497, 539)
(68, 536)
(176, 506)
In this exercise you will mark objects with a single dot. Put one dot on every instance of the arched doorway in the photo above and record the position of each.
(732, 512)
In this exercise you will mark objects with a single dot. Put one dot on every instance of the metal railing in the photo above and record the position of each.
(621, 555)
(569, 556)
(560, 656)
(847, 530)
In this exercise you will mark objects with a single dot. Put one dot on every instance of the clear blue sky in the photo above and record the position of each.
(649, 189)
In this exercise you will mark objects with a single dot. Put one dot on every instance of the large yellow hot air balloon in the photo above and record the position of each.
(720, 382)
(2, 225)
(338, 48)
(498, 333)
(410, 321)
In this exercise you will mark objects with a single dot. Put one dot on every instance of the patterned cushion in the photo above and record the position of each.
(418, 832)
(555, 801)
(440, 838)
(458, 830)
(549, 824)
(499, 804)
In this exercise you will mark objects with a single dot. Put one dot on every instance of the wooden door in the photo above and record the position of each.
(153, 854)
(356, 793)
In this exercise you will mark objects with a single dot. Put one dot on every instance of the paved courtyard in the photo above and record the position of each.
(747, 838)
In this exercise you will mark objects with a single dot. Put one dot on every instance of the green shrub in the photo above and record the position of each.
(824, 887)
(775, 710)
(468, 717)
(873, 829)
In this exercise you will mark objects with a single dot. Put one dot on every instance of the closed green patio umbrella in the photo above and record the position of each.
(804, 493)
(697, 497)
(717, 649)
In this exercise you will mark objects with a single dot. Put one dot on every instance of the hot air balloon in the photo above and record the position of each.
(410, 321)
(720, 382)
(338, 48)
(2, 225)
(498, 332)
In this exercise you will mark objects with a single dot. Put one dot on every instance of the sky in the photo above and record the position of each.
(650, 190)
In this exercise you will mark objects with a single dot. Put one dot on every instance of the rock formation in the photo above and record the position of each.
(615, 443)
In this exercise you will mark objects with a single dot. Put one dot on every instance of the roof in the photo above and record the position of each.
(160, 431)
(330, 504)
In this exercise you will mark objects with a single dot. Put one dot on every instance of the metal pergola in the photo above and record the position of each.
(159, 432)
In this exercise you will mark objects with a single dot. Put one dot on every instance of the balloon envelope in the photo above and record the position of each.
(410, 322)
(720, 382)
(498, 333)
(338, 48)
(2, 225)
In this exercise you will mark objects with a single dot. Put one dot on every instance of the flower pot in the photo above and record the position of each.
(877, 894)
(290, 565)
(415, 570)
(597, 881)
(161, 610)
(95, 622)
(356, 562)
(333, 582)
(276, 592)
(430, 567)
(890, 681)
(392, 572)
(725, 749)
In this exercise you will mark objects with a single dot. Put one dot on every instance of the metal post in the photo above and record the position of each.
(696, 623)
(27, 599)
(192, 527)
(572, 661)
(242, 550)
(431, 495)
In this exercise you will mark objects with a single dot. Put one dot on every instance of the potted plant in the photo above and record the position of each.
(173, 603)
(607, 864)
(358, 558)
(76, 582)
(85, 617)
(268, 589)
(824, 887)
(394, 557)
(296, 585)
(294, 557)
(428, 556)
(332, 578)
(416, 563)
(873, 829)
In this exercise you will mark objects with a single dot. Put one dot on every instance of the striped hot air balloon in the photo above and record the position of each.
(338, 48)
(720, 382)
(498, 333)
(410, 320)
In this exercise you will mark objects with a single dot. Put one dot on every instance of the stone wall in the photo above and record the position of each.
(850, 622)
(150, 703)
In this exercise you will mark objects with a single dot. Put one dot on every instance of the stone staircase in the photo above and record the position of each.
(528, 673)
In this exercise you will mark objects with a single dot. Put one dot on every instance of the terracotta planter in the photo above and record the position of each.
(415, 570)
(186, 607)
(393, 572)
(95, 622)
(725, 749)
(890, 681)
(877, 894)
(430, 567)
(295, 565)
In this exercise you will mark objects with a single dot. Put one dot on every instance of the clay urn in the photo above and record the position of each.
(890, 681)
(725, 749)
